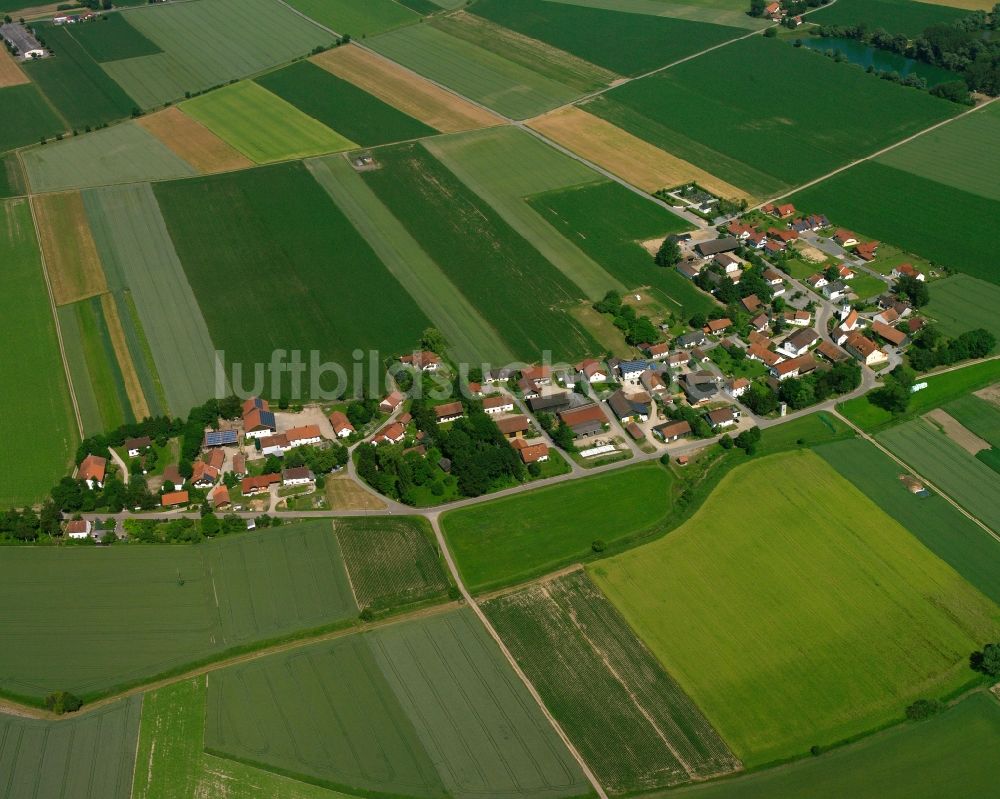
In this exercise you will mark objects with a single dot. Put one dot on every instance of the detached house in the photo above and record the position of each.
(498, 404)
(845, 238)
(722, 418)
(593, 371)
(449, 412)
(799, 342)
(92, 471)
(393, 434)
(867, 250)
(342, 427)
(716, 326)
(301, 436)
(865, 350)
(425, 361)
(134, 446)
(672, 431)
(908, 270)
(297, 476)
(390, 403)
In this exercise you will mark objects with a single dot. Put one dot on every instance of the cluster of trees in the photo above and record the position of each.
(28, 526)
(669, 253)
(700, 428)
(801, 392)
(894, 395)
(637, 329)
(60, 702)
(558, 432)
(913, 291)
(748, 440)
(793, 7)
(190, 531)
(71, 496)
(320, 460)
(987, 661)
(931, 348)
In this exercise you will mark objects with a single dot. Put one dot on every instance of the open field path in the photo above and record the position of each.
(453, 568)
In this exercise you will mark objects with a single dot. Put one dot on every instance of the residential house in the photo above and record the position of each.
(342, 427)
(678, 359)
(890, 301)
(593, 371)
(216, 459)
(449, 412)
(501, 375)
(625, 406)
(393, 434)
(773, 247)
(751, 303)
(658, 352)
(530, 453)
(850, 320)
(740, 230)
(220, 498)
(845, 238)
(816, 281)
(302, 436)
(699, 387)
(297, 476)
(174, 499)
(835, 290)
(631, 370)
(915, 325)
(540, 375)
(698, 355)
(274, 445)
(240, 464)
(760, 323)
(795, 367)
(798, 318)
(475, 389)
(258, 485)
(722, 418)
(738, 386)
(203, 475)
(529, 388)
(867, 250)
(786, 237)
(865, 350)
(787, 209)
(887, 316)
(514, 426)
(696, 338)
(730, 263)
(908, 270)
(799, 342)
(757, 351)
(832, 352)
(716, 326)
(845, 272)
(585, 420)
(690, 269)
(172, 478)
(78, 528)
(498, 404)
(424, 361)
(773, 277)
(652, 382)
(391, 402)
(671, 431)
(135, 446)
(889, 334)
(756, 240)
(92, 470)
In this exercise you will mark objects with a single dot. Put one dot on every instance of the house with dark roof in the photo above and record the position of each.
(514, 426)
(799, 342)
(672, 431)
(696, 338)
(699, 387)
(711, 248)
(135, 446)
(721, 418)
(297, 476)
(449, 412)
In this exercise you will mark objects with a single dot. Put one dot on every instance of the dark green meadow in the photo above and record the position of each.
(501, 274)
(608, 221)
(111, 38)
(75, 83)
(26, 118)
(276, 265)
(12, 183)
(763, 115)
(940, 223)
(626, 43)
(895, 16)
(340, 105)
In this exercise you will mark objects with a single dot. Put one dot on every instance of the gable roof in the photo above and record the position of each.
(93, 467)
(513, 424)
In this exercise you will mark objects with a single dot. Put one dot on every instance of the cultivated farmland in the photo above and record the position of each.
(629, 44)
(112, 38)
(88, 757)
(171, 762)
(950, 535)
(71, 259)
(707, 111)
(973, 484)
(501, 274)
(33, 390)
(121, 154)
(721, 12)
(142, 610)
(139, 257)
(402, 89)
(314, 276)
(210, 42)
(352, 112)
(516, 538)
(10, 73)
(961, 303)
(193, 142)
(805, 610)
(895, 16)
(11, 176)
(980, 416)
(496, 82)
(263, 126)
(357, 19)
(27, 117)
(631, 722)
(631, 158)
(951, 755)
(391, 562)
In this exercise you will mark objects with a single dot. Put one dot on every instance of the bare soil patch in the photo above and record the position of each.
(952, 428)
(71, 257)
(405, 90)
(344, 493)
(990, 393)
(812, 254)
(193, 142)
(10, 73)
(629, 157)
(970, 5)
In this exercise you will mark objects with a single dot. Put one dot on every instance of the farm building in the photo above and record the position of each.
(390, 403)
(301, 436)
(78, 528)
(514, 426)
(672, 431)
(449, 412)
(174, 499)
(498, 404)
(220, 499)
(392, 434)
(584, 421)
(258, 485)
(342, 427)
(297, 476)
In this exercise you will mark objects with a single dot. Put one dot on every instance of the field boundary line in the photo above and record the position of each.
(433, 518)
(872, 440)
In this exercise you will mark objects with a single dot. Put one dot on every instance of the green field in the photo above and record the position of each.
(609, 222)
(27, 117)
(391, 562)
(97, 378)
(629, 44)
(513, 539)
(173, 764)
(894, 16)
(940, 389)
(342, 106)
(945, 225)
(951, 755)
(709, 111)
(961, 303)
(970, 482)
(145, 274)
(357, 19)
(11, 176)
(112, 38)
(504, 166)
(314, 277)
(979, 416)
(415, 709)
(76, 84)
(470, 337)
(957, 154)
(142, 610)
(474, 72)
(207, 43)
(124, 153)
(631, 723)
(721, 12)
(33, 391)
(498, 271)
(788, 616)
(89, 757)
(951, 536)
(261, 125)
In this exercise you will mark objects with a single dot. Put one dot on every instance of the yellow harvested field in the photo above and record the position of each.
(10, 73)
(405, 90)
(193, 142)
(971, 5)
(632, 159)
(129, 376)
(344, 493)
(71, 258)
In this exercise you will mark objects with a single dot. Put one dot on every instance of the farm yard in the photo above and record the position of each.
(631, 722)
(933, 454)
(144, 610)
(89, 757)
(670, 110)
(514, 539)
(278, 230)
(33, 389)
(383, 726)
(780, 679)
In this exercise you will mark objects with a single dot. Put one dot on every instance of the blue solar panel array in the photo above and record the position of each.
(217, 438)
(267, 417)
(258, 402)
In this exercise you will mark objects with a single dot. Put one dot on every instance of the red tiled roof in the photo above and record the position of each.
(174, 498)
(93, 467)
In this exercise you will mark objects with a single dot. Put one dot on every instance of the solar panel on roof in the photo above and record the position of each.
(267, 417)
(215, 438)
